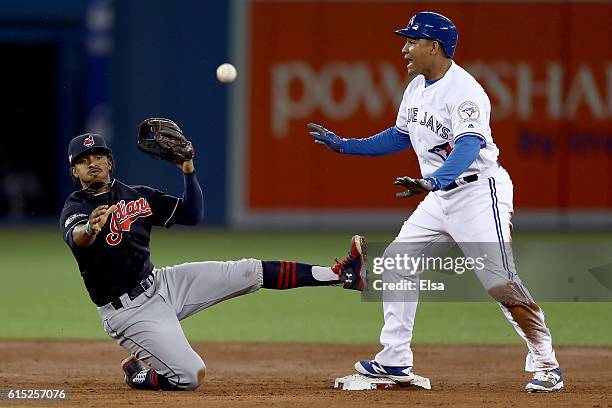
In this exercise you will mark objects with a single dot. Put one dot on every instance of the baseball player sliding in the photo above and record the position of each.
(444, 115)
(107, 225)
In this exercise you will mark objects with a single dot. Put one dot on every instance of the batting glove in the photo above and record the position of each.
(416, 186)
(327, 138)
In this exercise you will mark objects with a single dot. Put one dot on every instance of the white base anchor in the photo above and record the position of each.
(358, 382)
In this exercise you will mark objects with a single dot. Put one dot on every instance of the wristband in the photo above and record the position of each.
(88, 230)
(435, 183)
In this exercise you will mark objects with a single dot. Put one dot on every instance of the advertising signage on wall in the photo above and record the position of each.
(339, 64)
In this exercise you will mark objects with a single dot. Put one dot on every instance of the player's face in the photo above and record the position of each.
(92, 167)
(418, 53)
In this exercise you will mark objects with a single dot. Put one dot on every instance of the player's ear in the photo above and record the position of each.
(435, 47)
(73, 174)
(111, 163)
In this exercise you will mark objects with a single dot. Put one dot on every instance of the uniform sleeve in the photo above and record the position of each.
(470, 115)
(72, 215)
(388, 141)
(463, 155)
(169, 210)
(193, 201)
(163, 206)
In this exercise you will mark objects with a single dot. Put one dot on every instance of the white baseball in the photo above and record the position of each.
(226, 73)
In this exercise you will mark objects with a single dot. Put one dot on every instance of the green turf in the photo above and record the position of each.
(43, 295)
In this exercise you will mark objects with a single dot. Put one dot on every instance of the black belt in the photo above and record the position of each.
(461, 181)
(135, 292)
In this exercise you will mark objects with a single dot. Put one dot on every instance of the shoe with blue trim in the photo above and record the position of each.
(371, 368)
(545, 381)
(352, 271)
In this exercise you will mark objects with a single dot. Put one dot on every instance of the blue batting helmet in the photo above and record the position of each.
(433, 26)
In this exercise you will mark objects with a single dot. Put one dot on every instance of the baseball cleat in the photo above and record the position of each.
(352, 270)
(371, 368)
(131, 367)
(546, 381)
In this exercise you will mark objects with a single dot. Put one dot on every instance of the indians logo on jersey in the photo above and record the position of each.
(443, 150)
(123, 217)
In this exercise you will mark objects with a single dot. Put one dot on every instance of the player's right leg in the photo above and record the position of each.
(421, 235)
(148, 329)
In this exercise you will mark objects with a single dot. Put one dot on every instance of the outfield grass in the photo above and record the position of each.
(43, 295)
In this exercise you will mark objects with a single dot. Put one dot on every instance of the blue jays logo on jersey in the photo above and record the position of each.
(469, 112)
(443, 150)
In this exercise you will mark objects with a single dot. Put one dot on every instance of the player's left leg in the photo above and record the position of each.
(351, 272)
(195, 286)
(481, 225)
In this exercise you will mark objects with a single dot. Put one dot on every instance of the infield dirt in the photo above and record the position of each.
(302, 375)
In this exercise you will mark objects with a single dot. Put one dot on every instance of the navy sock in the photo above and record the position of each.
(288, 275)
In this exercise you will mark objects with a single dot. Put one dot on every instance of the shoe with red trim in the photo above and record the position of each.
(352, 270)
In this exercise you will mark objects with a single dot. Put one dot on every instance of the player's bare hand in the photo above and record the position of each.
(327, 138)
(187, 166)
(415, 186)
(99, 216)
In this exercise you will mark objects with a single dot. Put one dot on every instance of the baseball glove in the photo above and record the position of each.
(164, 140)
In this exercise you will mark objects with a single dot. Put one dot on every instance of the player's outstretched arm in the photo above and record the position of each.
(192, 210)
(388, 141)
(85, 234)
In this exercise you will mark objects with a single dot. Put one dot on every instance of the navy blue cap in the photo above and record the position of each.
(86, 143)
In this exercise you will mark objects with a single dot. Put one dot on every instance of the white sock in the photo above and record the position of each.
(323, 273)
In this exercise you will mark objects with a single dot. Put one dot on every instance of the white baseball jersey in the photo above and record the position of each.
(477, 215)
(437, 116)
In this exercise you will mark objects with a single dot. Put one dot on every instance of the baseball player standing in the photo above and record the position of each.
(107, 225)
(444, 115)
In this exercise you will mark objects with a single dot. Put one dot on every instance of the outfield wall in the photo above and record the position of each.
(547, 68)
